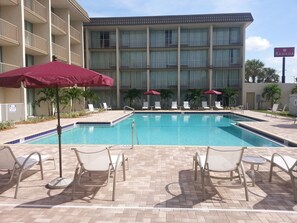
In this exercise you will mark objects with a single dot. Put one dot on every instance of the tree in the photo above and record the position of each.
(272, 93)
(253, 70)
(269, 76)
(194, 96)
(90, 96)
(72, 94)
(294, 90)
(48, 95)
(229, 96)
(166, 95)
(132, 95)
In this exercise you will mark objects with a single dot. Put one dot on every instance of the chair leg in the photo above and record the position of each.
(124, 167)
(270, 172)
(195, 171)
(17, 184)
(114, 185)
(294, 187)
(244, 182)
(202, 182)
(74, 183)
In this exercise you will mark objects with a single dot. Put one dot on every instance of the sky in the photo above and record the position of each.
(274, 22)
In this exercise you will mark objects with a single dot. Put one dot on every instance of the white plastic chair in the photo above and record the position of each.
(218, 105)
(287, 164)
(91, 108)
(94, 162)
(186, 105)
(204, 105)
(105, 107)
(157, 105)
(145, 105)
(174, 105)
(222, 160)
(273, 110)
(17, 166)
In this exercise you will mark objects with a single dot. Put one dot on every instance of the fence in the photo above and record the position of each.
(12, 112)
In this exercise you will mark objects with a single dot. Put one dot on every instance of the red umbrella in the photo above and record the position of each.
(54, 75)
(152, 92)
(212, 92)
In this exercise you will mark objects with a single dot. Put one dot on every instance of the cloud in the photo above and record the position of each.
(257, 43)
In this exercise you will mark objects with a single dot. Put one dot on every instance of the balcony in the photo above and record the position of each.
(7, 67)
(75, 35)
(35, 12)
(75, 59)
(8, 33)
(35, 45)
(8, 2)
(59, 26)
(60, 52)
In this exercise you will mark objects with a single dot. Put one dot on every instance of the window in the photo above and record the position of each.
(103, 39)
(226, 36)
(226, 58)
(29, 26)
(168, 37)
(226, 78)
(29, 60)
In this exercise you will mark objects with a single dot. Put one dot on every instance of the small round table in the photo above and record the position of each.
(254, 160)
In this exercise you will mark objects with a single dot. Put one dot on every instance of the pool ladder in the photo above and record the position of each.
(126, 107)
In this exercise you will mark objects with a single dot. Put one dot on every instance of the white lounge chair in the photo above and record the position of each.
(105, 107)
(91, 108)
(17, 166)
(145, 105)
(273, 110)
(174, 105)
(221, 160)
(218, 105)
(204, 105)
(186, 105)
(157, 105)
(95, 167)
(287, 164)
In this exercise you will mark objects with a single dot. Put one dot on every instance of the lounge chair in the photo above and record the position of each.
(204, 105)
(174, 105)
(220, 160)
(17, 166)
(157, 105)
(91, 108)
(105, 107)
(272, 110)
(145, 105)
(287, 164)
(218, 105)
(95, 167)
(186, 105)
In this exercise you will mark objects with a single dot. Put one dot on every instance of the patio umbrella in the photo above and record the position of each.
(212, 92)
(152, 92)
(54, 75)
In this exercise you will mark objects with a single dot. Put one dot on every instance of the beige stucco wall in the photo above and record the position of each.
(257, 89)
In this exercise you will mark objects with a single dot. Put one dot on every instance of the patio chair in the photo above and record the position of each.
(145, 105)
(186, 105)
(157, 105)
(91, 108)
(220, 160)
(204, 105)
(174, 105)
(16, 166)
(95, 167)
(287, 164)
(105, 107)
(218, 105)
(273, 110)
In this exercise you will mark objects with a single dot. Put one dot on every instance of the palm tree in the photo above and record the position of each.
(194, 96)
(166, 95)
(90, 96)
(253, 70)
(272, 93)
(132, 95)
(73, 94)
(270, 76)
(48, 96)
(229, 96)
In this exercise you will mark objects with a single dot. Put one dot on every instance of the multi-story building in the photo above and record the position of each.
(168, 52)
(31, 32)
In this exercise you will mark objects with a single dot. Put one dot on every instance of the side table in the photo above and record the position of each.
(254, 160)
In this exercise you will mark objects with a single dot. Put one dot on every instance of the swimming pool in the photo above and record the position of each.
(165, 129)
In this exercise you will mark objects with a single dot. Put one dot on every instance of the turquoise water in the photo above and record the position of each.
(165, 129)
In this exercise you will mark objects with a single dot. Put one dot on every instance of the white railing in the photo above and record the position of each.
(60, 51)
(12, 112)
(35, 42)
(7, 67)
(75, 58)
(59, 22)
(74, 33)
(35, 7)
(8, 30)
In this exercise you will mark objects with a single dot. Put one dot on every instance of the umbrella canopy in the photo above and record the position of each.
(152, 92)
(212, 92)
(54, 75)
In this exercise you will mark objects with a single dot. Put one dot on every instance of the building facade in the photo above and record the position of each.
(31, 32)
(177, 53)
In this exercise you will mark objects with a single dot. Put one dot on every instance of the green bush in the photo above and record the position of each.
(6, 125)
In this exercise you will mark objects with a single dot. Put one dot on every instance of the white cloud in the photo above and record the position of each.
(257, 43)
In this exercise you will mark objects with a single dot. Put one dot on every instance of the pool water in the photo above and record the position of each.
(165, 129)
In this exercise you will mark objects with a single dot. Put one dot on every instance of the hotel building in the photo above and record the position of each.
(31, 32)
(177, 53)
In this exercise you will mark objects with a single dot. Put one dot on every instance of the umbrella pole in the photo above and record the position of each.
(59, 182)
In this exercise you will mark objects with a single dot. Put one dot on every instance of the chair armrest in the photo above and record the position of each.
(29, 159)
(285, 167)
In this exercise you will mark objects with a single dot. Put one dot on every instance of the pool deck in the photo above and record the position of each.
(160, 186)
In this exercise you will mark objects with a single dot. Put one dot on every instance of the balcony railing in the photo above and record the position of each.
(75, 58)
(35, 42)
(75, 34)
(35, 8)
(59, 23)
(7, 67)
(8, 2)
(60, 52)
(8, 31)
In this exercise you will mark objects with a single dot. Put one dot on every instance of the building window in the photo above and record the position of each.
(226, 36)
(29, 60)
(194, 37)
(226, 78)
(226, 58)
(168, 37)
(103, 39)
